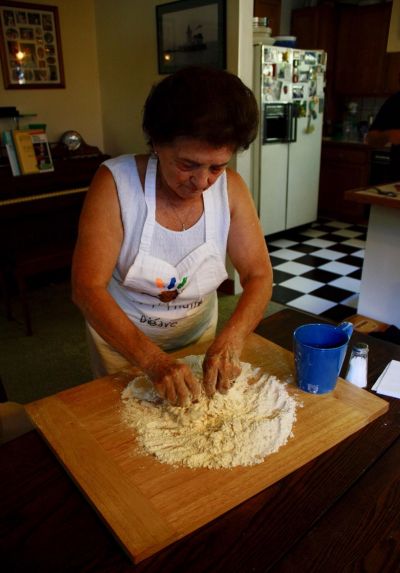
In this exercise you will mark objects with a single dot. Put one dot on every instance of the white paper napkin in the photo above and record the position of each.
(388, 382)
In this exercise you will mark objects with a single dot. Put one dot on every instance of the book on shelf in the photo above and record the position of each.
(33, 151)
(8, 143)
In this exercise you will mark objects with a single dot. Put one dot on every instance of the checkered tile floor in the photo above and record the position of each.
(318, 269)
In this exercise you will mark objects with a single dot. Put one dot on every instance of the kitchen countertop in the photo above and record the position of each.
(373, 197)
(359, 143)
(355, 143)
(378, 298)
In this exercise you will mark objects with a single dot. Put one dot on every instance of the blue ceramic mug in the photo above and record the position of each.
(319, 352)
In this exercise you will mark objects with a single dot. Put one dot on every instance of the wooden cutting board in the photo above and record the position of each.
(149, 505)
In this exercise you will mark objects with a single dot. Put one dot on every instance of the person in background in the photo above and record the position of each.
(154, 233)
(385, 130)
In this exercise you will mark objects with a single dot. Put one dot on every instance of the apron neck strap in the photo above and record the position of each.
(150, 198)
(150, 179)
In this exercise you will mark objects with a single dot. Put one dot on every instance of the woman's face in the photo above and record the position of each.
(189, 166)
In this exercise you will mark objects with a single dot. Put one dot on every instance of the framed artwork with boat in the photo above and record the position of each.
(191, 32)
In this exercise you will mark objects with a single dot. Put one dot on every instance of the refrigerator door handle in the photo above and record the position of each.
(292, 123)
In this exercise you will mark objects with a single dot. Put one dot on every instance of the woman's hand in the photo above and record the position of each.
(174, 381)
(248, 253)
(221, 367)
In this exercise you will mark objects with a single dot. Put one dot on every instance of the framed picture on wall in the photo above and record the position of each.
(30, 46)
(191, 32)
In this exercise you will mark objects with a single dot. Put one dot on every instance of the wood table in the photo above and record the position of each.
(340, 512)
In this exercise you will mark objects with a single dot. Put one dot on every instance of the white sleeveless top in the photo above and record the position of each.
(165, 280)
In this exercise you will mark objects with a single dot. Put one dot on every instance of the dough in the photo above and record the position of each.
(240, 428)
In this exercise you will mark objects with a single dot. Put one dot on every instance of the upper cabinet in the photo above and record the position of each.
(269, 9)
(392, 73)
(355, 37)
(315, 29)
(361, 57)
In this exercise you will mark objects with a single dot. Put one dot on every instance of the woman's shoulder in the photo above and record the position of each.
(235, 182)
(127, 165)
(233, 176)
(238, 191)
(126, 159)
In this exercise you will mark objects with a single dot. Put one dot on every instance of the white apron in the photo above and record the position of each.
(174, 305)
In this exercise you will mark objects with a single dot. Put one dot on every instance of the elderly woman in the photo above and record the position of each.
(154, 233)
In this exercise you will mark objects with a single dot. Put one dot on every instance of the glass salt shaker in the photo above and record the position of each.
(358, 365)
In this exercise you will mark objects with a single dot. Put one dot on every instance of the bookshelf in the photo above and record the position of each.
(15, 117)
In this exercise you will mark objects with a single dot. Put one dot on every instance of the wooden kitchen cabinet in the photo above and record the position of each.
(355, 38)
(315, 28)
(392, 73)
(344, 166)
(269, 9)
(361, 49)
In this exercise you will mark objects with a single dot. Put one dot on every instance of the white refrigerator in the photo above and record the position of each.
(289, 87)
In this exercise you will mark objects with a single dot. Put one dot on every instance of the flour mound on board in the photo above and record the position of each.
(239, 428)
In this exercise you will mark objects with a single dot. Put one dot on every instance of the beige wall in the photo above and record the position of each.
(394, 30)
(127, 55)
(78, 105)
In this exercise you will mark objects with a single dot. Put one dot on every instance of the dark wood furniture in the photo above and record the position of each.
(340, 512)
(344, 166)
(361, 49)
(355, 37)
(39, 217)
(315, 28)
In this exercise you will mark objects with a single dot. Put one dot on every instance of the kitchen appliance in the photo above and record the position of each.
(380, 167)
(289, 87)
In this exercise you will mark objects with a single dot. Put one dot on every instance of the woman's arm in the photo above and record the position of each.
(249, 255)
(99, 242)
(376, 138)
(385, 128)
